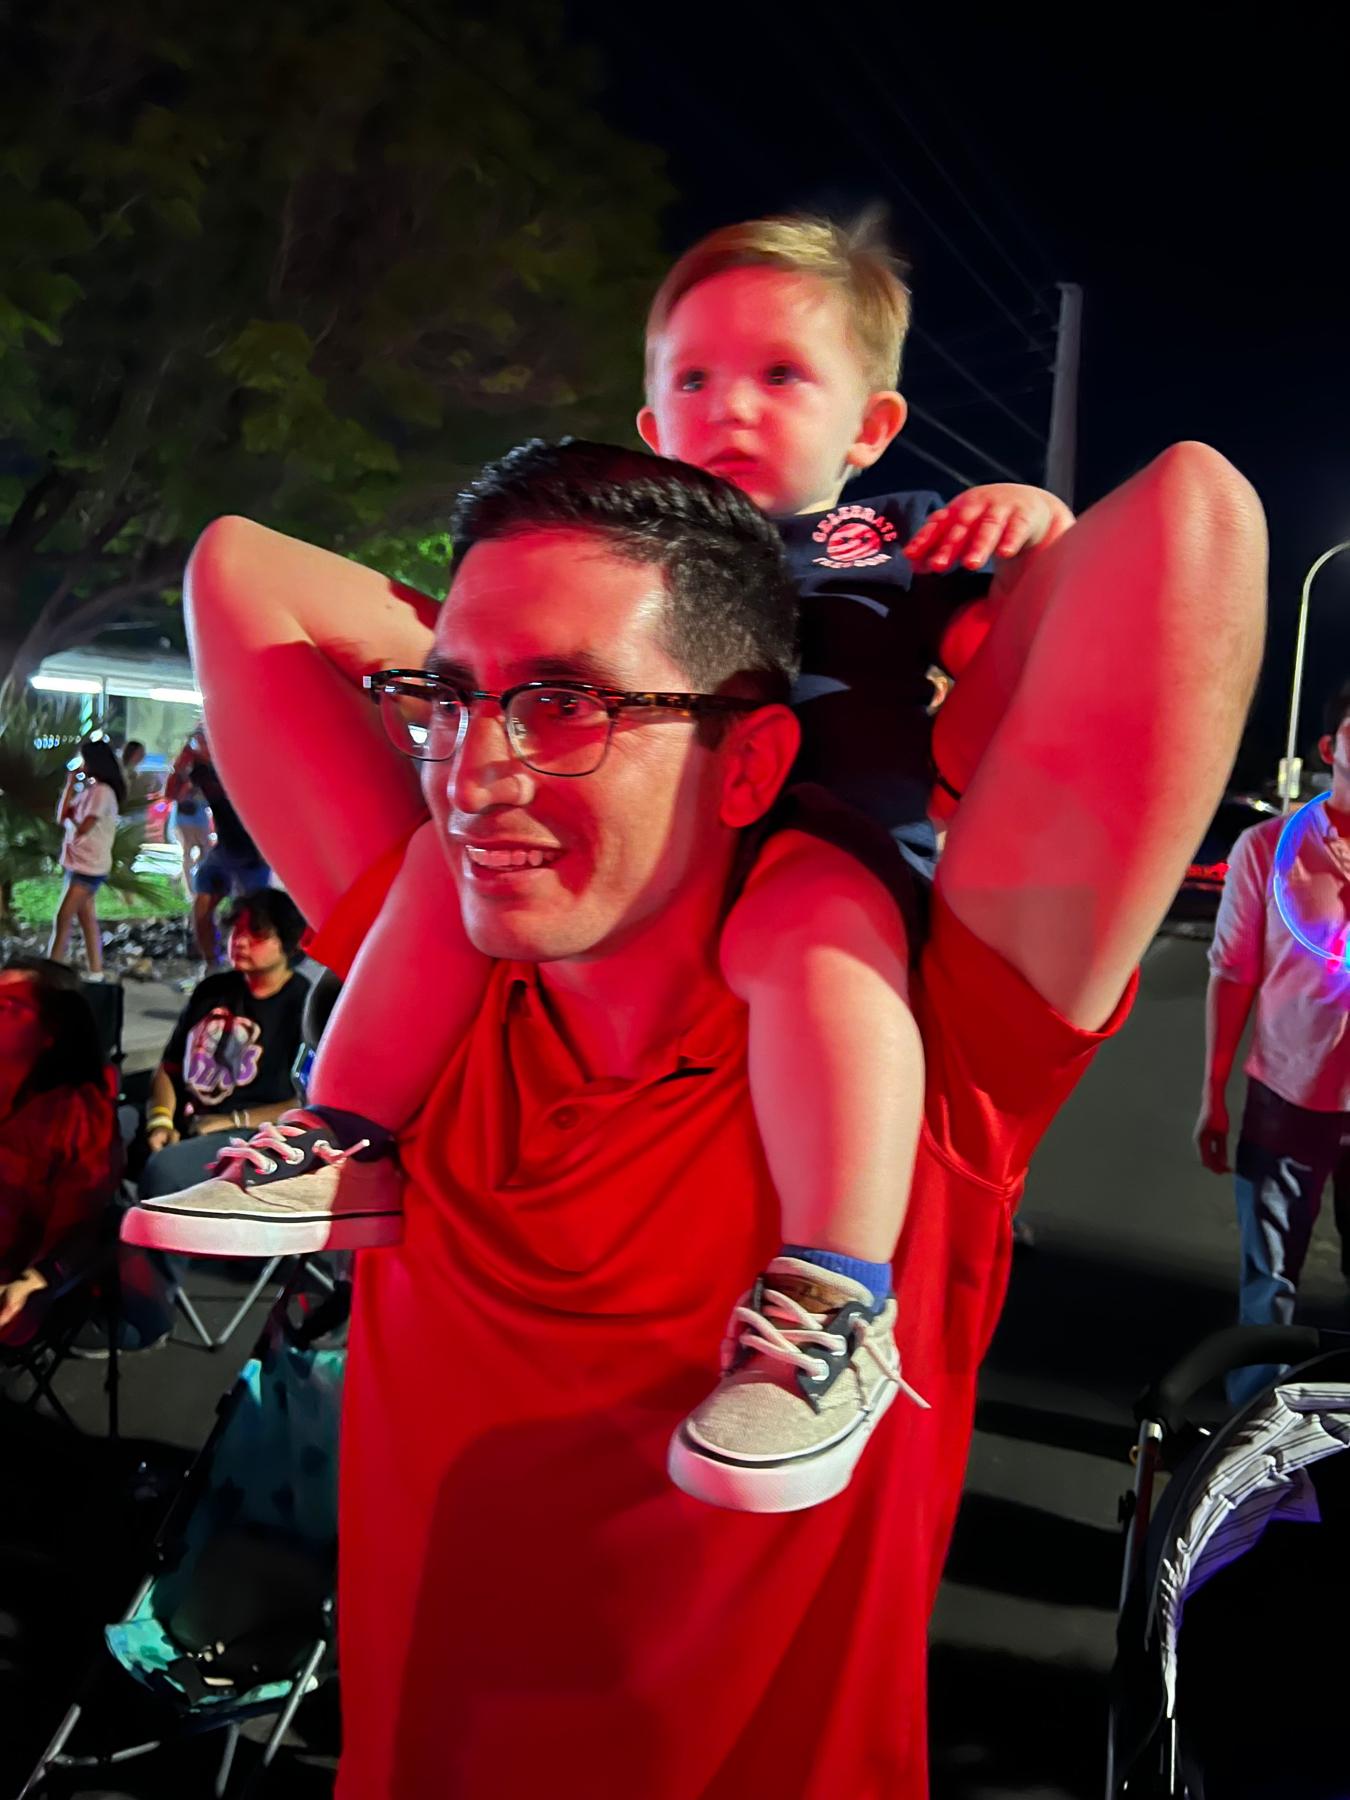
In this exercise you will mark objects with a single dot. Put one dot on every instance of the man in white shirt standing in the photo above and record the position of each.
(1297, 1117)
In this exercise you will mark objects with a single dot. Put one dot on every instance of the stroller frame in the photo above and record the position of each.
(1163, 1412)
(55, 1756)
(224, 1714)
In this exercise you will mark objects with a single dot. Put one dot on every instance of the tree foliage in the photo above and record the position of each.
(313, 262)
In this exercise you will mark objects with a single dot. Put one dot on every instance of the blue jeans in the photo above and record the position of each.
(219, 874)
(181, 1165)
(1285, 1157)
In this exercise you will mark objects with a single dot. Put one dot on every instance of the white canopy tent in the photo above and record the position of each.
(161, 698)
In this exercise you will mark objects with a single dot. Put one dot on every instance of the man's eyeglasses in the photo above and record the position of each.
(553, 727)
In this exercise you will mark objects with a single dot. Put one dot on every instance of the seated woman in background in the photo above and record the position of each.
(93, 796)
(228, 1062)
(60, 1151)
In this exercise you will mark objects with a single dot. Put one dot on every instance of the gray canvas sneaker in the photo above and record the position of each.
(288, 1190)
(810, 1365)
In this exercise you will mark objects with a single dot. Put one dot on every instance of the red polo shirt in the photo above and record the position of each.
(527, 1605)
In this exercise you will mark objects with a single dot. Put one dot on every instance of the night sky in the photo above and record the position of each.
(1192, 174)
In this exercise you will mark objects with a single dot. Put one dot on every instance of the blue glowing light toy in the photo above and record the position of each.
(1286, 851)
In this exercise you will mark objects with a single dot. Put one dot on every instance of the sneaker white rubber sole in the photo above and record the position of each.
(247, 1234)
(791, 1485)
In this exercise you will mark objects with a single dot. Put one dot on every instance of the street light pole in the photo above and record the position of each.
(1287, 772)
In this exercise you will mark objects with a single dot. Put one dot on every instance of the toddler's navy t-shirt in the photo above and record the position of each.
(870, 629)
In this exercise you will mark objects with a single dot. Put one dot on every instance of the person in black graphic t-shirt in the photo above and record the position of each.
(233, 864)
(227, 1064)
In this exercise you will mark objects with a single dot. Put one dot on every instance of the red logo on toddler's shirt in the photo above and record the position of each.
(854, 537)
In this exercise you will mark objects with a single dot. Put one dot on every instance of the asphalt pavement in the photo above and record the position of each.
(1134, 1259)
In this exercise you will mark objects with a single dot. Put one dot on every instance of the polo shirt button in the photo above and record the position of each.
(565, 1118)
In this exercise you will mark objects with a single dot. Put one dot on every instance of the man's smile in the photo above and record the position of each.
(488, 860)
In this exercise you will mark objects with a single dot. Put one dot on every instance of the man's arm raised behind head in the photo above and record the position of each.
(1119, 673)
(281, 635)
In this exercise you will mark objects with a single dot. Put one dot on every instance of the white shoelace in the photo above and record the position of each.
(787, 1339)
(267, 1149)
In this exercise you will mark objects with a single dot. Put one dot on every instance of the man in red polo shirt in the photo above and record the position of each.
(527, 1604)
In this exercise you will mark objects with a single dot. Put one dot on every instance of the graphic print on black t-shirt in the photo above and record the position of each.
(223, 1053)
(857, 537)
(870, 629)
(234, 1048)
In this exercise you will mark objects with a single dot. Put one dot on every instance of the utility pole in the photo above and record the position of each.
(1061, 452)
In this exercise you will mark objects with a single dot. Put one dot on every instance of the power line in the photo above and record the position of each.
(979, 386)
(960, 255)
(933, 86)
(967, 481)
(998, 366)
(918, 412)
(760, 156)
(948, 405)
(772, 28)
(413, 17)
(907, 121)
(990, 333)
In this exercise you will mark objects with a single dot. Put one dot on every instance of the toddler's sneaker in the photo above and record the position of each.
(809, 1365)
(289, 1190)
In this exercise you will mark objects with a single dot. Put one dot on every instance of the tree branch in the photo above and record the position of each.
(48, 632)
(93, 614)
(44, 505)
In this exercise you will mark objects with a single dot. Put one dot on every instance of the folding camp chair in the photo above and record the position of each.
(282, 1269)
(235, 1621)
(90, 1292)
(85, 1295)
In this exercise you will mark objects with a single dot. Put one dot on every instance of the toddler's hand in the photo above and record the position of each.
(1000, 520)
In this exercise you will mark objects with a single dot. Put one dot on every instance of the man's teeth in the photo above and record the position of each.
(509, 859)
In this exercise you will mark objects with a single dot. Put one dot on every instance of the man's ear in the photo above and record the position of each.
(1326, 749)
(882, 422)
(647, 430)
(758, 752)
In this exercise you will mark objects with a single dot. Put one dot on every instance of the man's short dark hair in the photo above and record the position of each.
(267, 910)
(731, 617)
(1336, 711)
(131, 745)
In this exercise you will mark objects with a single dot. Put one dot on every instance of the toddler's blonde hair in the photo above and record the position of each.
(855, 259)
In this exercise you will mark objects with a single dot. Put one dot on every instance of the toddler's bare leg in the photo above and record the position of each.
(400, 1015)
(816, 948)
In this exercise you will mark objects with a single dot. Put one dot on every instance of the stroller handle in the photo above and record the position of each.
(1168, 1399)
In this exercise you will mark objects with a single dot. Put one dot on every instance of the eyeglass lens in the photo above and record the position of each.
(554, 730)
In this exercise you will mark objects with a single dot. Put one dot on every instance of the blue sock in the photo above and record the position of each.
(875, 1277)
(349, 1128)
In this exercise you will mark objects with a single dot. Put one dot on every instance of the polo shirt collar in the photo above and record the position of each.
(716, 1034)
